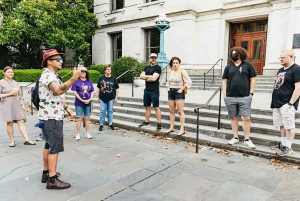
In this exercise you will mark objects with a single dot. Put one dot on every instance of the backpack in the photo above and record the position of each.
(35, 99)
(185, 89)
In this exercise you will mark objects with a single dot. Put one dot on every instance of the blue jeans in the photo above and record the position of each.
(83, 111)
(106, 107)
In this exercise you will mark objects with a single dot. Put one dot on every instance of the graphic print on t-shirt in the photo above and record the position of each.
(107, 87)
(84, 91)
(279, 80)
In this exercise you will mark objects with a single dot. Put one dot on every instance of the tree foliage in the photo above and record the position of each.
(33, 25)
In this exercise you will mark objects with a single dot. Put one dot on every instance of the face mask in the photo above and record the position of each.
(234, 57)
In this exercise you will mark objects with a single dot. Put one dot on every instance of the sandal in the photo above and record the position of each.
(180, 133)
(12, 144)
(29, 143)
(169, 131)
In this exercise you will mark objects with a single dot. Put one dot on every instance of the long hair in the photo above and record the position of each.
(241, 52)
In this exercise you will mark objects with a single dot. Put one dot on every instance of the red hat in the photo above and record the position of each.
(49, 53)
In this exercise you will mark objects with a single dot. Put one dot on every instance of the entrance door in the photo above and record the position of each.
(254, 41)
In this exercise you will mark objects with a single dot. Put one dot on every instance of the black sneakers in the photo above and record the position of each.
(158, 128)
(101, 128)
(145, 124)
(111, 127)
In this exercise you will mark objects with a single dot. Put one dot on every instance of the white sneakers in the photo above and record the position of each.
(87, 135)
(247, 143)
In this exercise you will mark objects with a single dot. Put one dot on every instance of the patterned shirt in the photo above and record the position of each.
(51, 105)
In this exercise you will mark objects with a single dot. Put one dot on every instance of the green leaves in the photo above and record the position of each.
(34, 24)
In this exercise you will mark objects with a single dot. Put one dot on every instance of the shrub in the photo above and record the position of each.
(99, 68)
(31, 75)
(121, 65)
(138, 69)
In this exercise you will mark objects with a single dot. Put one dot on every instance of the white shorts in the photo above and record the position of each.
(284, 116)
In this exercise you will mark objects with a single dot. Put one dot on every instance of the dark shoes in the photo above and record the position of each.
(45, 177)
(158, 127)
(57, 184)
(111, 127)
(101, 128)
(145, 124)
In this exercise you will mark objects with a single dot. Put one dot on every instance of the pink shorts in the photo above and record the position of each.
(284, 116)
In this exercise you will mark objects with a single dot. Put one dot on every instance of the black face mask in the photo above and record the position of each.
(234, 57)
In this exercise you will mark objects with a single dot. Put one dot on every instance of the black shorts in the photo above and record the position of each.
(54, 138)
(151, 97)
(173, 95)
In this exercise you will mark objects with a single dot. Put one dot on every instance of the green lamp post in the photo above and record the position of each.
(162, 23)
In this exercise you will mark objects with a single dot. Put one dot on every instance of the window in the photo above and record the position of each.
(147, 1)
(152, 41)
(117, 4)
(116, 46)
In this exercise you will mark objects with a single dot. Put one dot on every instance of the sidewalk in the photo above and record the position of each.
(125, 165)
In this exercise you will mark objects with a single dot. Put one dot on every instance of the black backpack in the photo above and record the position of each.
(35, 99)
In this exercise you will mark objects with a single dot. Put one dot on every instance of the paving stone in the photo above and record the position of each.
(126, 195)
(17, 158)
(176, 169)
(287, 189)
(82, 166)
(181, 155)
(110, 156)
(150, 184)
(135, 177)
(187, 187)
(126, 166)
(91, 180)
(211, 173)
(169, 150)
(115, 142)
(91, 149)
(259, 175)
(151, 156)
(101, 192)
(161, 164)
(152, 196)
(137, 147)
(7, 192)
(233, 191)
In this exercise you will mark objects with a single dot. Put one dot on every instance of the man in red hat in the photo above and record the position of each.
(52, 106)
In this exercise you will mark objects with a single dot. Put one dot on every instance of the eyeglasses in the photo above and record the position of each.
(282, 58)
(58, 59)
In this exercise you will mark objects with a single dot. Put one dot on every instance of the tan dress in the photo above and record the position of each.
(10, 107)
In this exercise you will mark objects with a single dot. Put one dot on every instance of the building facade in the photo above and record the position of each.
(201, 31)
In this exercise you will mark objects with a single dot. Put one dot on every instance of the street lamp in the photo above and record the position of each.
(162, 23)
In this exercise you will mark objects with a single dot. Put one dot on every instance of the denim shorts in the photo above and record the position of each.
(83, 111)
(173, 95)
(151, 97)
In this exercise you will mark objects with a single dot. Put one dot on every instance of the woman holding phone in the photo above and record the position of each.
(12, 106)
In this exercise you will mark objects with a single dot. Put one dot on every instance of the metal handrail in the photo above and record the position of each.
(166, 67)
(213, 68)
(132, 80)
(196, 109)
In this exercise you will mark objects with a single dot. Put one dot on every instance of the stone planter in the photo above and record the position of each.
(139, 82)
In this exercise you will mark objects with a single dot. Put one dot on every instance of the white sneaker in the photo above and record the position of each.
(77, 136)
(88, 136)
(249, 144)
(233, 141)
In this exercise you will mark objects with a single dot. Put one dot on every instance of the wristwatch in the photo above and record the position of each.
(290, 104)
(251, 94)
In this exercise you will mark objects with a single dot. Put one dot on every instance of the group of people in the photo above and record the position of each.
(238, 87)
(178, 81)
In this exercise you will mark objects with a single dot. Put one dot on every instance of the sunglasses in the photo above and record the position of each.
(58, 59)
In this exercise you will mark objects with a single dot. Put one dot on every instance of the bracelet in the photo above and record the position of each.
(66, 107)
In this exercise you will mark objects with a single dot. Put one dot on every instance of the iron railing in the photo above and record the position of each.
(197, 110)
(132, 80)
(166, 67)
(212, 68)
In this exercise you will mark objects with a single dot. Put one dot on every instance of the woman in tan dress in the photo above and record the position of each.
(12, 106)
(177, 83)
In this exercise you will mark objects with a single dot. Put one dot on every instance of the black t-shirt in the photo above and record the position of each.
(284, 86)
(110, 84)
(238, 79)
(150, 70)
